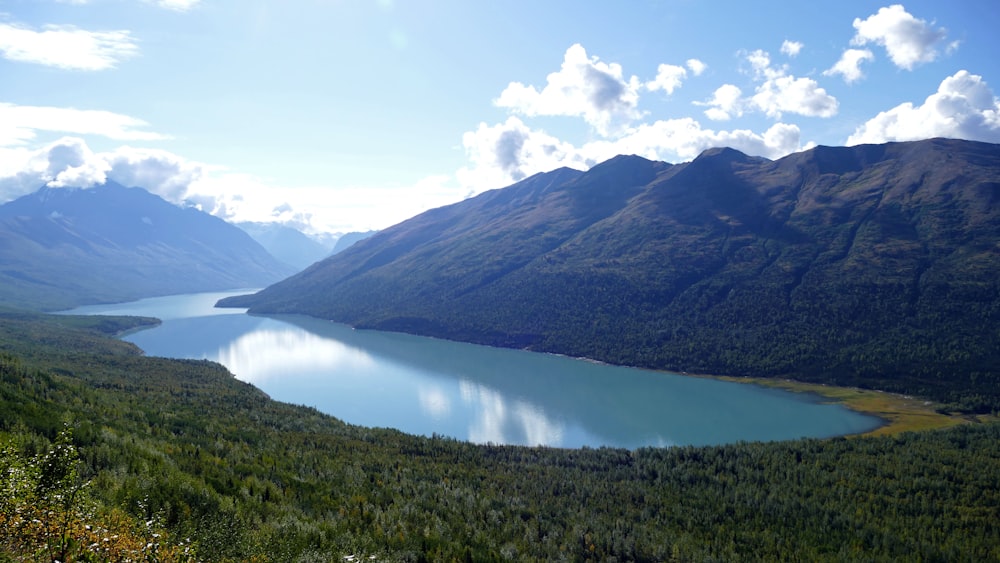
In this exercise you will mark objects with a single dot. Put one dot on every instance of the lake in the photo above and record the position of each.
(474, 393)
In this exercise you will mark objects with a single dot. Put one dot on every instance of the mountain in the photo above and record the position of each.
(347, 239)
(285, 243)
(873, 265)
(61, 247)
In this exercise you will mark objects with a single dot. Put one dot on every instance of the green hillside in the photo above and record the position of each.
(874, 266)
(182, 462)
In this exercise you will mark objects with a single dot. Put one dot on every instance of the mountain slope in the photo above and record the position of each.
(874, 265)
(61, 247)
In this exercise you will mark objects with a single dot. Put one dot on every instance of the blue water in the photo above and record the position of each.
(475, 393)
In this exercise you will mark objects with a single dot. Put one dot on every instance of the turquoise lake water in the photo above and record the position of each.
(474, 393)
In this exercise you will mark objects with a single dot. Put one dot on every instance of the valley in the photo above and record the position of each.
(181, 449)
(461, 282)
(866, 275)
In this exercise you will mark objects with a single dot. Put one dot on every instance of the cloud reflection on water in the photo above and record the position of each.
(258, 356)
(477, 393)
(434, 402)
(498, 423)
(269, 354)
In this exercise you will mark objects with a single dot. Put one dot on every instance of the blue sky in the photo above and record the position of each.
(338, 115)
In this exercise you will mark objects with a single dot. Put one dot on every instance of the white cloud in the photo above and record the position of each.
(781, 92)
(964, 107)
(791, 48)
(585, 87)
(760, 62)
(66, 46)
(726, 103)
(849, 65)
(69, 162)
(176, 5)
(159, 171)
(23, 171)
(18, 124)
(675, 140)
(908, 40)
(497, 161)
(696, 67)
(511, 151)
(795, 95)
(668, 78)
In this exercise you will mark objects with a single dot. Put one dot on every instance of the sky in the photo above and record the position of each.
(349, 115)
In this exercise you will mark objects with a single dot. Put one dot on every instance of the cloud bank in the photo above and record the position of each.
(600, 94)
(964, 107)
(70, 163)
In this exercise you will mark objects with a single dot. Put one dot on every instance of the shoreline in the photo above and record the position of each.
(901, 413)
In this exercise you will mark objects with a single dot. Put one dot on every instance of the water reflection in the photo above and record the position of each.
(517, 397)
(519, 423)
(476, 393)
(275, 358)
(434, 402)
(264, 354)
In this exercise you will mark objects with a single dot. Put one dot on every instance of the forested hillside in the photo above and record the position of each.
(873, 265)
(183, 463)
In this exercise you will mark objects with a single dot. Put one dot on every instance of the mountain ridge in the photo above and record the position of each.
(873, 265)
(63, 247)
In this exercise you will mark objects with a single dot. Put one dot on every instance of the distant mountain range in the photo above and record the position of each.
(61, 247)
(348, 239)
(287, 244)
(296, 248)
(873, 265)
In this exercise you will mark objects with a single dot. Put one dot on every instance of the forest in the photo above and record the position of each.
(874, 266)
(109, 455)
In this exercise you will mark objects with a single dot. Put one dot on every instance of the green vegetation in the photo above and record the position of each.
(900, 413)
(180, 456)
(874, 266)
(45, 513)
